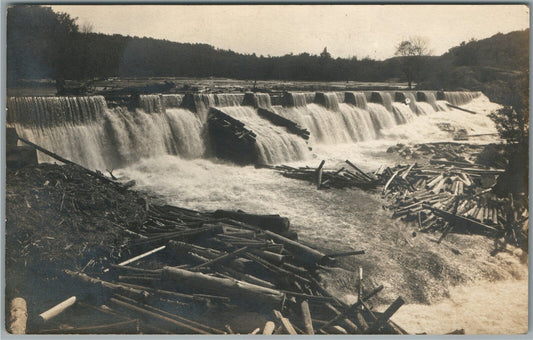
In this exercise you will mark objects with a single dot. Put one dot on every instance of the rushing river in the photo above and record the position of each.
(164, 151)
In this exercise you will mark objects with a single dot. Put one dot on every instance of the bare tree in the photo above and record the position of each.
(412, 51)
(87, 27)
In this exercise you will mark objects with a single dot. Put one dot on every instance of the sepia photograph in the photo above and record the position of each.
(264, 169)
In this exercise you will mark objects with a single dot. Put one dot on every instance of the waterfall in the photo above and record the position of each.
(381, 116)
(429, 97)
(423, 108)
(460, 98)
(402, 113)
(383, 98)
(356, 98)
(327, 99)
(151, 103)
(273, 143)
(51, 111)
(228, 99)
(86, 131)
(297, 99)
(358, 122)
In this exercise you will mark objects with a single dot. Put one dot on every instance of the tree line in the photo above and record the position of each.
(46, 44)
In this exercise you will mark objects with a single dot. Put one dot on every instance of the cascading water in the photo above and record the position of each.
(357, 99)
(151, 103)
(460, 98)
(262, 100)
(328, 99)
(172, 100)
(273, 143)
(381, 117)
(84, 130)
(297, 99)
(51, 111)
(429, 97)
(228, 99)
(402, 113)
(423, 108)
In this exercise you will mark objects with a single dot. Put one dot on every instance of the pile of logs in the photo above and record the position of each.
(340, 178)
(185, 264)
(230, 139)
(453, 196)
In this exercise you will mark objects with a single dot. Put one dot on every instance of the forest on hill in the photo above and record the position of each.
(45, 44)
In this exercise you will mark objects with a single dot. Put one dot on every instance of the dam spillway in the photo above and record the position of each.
(98, 134)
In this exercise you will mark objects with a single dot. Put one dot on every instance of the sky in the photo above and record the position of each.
(346, 30)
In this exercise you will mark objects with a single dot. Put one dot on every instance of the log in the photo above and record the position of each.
(390, 181)
(347, 321)
(303, 253)
(269, 328)
(274, 223)
(57, 309)
(18, 316)
(243, 291)
(108, 285)
(172, 316)
(286, 323)
(460, 108)
(306, 316)
(393, 308)
(157, 316)
(460, 220)
(352, 308)
(220, 259)
(138, 257)
(319, 171)
(359, 170)
(110, 328)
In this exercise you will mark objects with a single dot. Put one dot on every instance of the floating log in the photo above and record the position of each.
(460, 108)
(57, 309)
(228, 287)
(18, 316)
